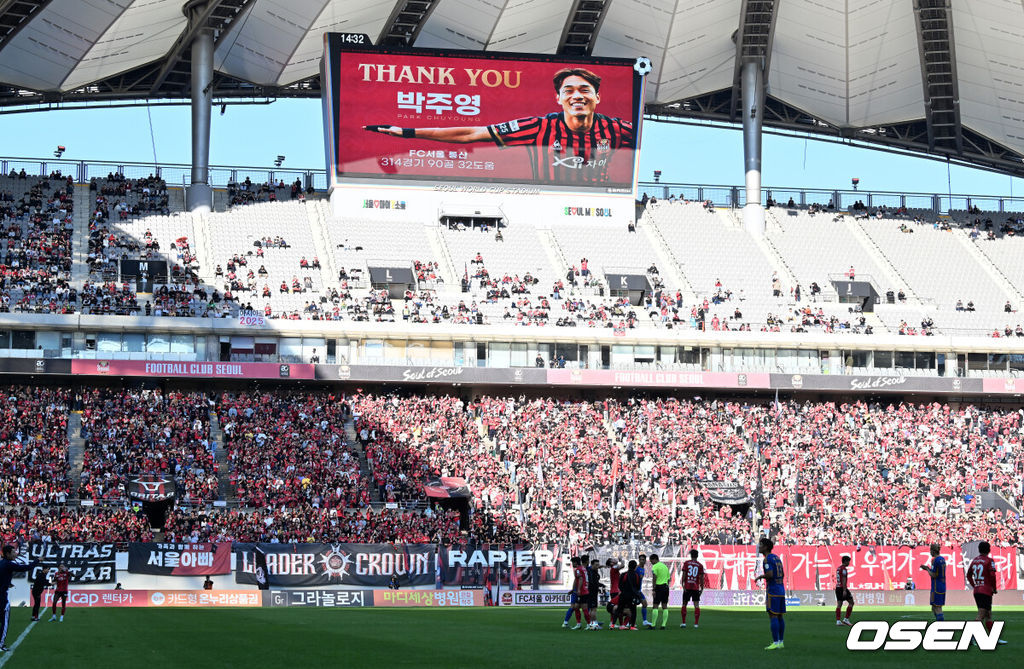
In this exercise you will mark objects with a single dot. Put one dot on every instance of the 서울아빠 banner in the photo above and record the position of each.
(202, 559)
(311, 565)
(472, 116)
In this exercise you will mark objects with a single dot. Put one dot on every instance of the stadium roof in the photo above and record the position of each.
(938, 76)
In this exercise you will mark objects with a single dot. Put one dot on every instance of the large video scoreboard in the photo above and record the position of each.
(425, 116)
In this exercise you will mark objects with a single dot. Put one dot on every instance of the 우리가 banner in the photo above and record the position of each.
(871, 567)
(202, 559)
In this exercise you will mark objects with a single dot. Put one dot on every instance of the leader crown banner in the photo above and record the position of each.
(200, 559)
(316, 564)
(726, 492)
(86, 562)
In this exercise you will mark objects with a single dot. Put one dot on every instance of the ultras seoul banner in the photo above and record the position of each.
(310, 565)
(467, 116)
(87, 562)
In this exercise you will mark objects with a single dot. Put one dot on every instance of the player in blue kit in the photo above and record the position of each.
(640, 596)
(937, 597)
(775, 593)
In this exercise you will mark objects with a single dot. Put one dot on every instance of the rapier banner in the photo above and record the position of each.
(475, 564)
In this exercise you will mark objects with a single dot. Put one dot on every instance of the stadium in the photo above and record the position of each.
(273, 415)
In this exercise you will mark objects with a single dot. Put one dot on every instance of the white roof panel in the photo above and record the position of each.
(460, 24)
(854, 63)
(530, 26)
(989, 35)
(352, 16)
(689, 43)
(144, 32)
(44, 52)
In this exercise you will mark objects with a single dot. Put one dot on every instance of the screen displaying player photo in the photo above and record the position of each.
(466, 116)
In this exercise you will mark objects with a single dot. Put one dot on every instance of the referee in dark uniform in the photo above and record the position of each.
(39, 584)
(7, 569)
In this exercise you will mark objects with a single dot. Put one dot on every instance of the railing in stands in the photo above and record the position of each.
(720, 195)
(735, 196)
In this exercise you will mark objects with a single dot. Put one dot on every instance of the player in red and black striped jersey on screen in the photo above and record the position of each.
(573, 146)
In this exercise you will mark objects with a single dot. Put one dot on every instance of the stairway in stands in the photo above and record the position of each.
(83, 201)
(364, 465)
(220, 453)
(76, 452)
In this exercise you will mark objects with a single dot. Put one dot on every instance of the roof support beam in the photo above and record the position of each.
(405, 23)
(753, 41)
(214, 14)
(938, 71)
(581, 27)
(15, 15)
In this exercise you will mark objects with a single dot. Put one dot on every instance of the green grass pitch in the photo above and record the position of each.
(505, 637)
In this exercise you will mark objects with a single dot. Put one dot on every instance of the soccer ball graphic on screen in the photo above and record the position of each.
(643, 66)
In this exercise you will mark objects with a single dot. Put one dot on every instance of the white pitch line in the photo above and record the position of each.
(17, 642)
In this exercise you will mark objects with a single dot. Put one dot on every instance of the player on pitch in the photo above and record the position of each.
(937, 572)
(775, 595)
(693, 587)
(843, 593)
(981, 575)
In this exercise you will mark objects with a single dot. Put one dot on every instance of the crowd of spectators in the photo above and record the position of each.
(594, 472)
(574, 472)
(129, 432)
(61, 524)
(308, 524)
(33, 445)
(117, 199)
(247, 192)
(289, 449)
(37, 220)
(125, 198)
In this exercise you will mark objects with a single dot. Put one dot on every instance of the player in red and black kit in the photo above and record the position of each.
(843, 593)
(693, 587)
(581, 587)
(573, 146)
(981, 574)
(614, 567)
(61, 580)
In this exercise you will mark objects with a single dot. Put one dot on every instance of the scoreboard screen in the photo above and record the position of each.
(425, 115)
